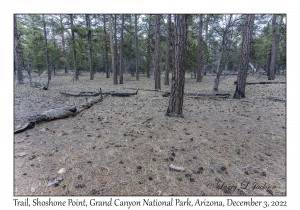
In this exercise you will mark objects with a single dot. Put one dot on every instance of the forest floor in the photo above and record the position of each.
(125, 145)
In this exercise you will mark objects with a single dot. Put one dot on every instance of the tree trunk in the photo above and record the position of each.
(116, 45)
(74, 49)
(268, 61)
(89, 38)
(54, 65)
(46, 48)
(245, 56)
(115, 78)
(274, 50)
(63, 44)
(173, 51)
(136, 49)
(121, 52)
(206, 42)
(148, 47)
(199, 75)
(157, 53)
(218, 72)
(278, 38)
(166, 82)
(177, 90)
(223, 48)
(18, 53)
(106, 47)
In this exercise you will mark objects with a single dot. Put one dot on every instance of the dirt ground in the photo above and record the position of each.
(124, 146)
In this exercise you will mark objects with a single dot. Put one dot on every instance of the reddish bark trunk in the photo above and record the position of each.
(177, 90)
(245, 56)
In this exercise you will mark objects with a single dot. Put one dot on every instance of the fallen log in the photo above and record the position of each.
(276, 99)
(59, 113)
(218, 95)
(166, 94)
(94, 94)
(144, 89)
(211, 96)
(263, 83)
(84, 94)
(25, 127)
(123, 94)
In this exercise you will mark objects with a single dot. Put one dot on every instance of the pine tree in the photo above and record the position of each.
(115, 78)
(245, 56)
(157, 52)
(18, 53)
(177, 90)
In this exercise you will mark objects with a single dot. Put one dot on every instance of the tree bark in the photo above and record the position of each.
(89, 39)
(278, 38)
(268, 61)
(274, 50)
(116, 45)
(223, 48)
(166, 82)
(115, 78)
(63, 44)
(105, 46)
(121, 52)
(18, 53)
(148, 47)
(74, 49)
(206, 42)
(53, 64)
(46, 48)
(136, 49)
(245, 56)
(199, 75)
(177, 90)
(157, 53)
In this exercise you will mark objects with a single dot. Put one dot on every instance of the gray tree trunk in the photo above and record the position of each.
(223, 48)
(136, 49)
(116, 45)
(18, 53)
(115, 78)
(166, 82)
(63, 44)
(157, 53)
(199, 75)
(121, 52)
(46, 51)
(74, 49)
(148, 47)
(89, 39)
(106, 47)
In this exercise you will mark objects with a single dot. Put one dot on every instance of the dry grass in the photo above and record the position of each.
(234, 141)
